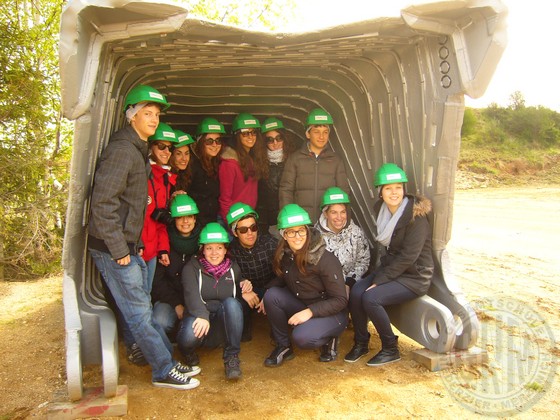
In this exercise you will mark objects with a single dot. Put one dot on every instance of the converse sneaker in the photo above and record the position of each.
(278, 355)
(231, 365)
(187, 370)
(177, 380)
(135, 355)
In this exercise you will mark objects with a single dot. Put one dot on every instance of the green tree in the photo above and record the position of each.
(516, 100)
(258, 15)
(34, 140)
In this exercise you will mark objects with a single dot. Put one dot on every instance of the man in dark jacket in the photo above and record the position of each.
(254, 253)
(118, 205)
(314, 168)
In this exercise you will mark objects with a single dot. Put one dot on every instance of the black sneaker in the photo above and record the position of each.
(231, 365)
(356, 352)
(278, 355)
(191, 359)
(329, 351)
(385, 356)
(177, 380)
(135, 355)
(187, 370)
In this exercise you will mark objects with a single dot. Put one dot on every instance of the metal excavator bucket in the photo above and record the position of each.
(394, 86)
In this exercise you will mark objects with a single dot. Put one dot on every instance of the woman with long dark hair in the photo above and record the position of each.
(308, 294)
(243, 165)
(280, 146)
(205, 184)
(179, 161)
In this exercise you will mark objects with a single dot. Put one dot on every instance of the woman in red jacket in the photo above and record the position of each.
(160, 183)
(242, 165)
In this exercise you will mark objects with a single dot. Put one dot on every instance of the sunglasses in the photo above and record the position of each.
(302, 233)
(278, 139)
(162, 146)
(245, 229)
(249, 133)
(210, 142)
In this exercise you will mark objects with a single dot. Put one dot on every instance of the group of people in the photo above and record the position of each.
(192, 236)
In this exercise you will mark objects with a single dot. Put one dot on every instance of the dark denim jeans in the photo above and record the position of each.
(128, 287)
(226, 326)
(281, 304)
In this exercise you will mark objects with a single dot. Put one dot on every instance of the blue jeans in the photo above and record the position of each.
(127, 285)
(226, 326)
(151, 272)
(280, 304)
(365, 305)
(165, 316)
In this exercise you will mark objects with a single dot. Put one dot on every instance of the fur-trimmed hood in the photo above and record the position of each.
(317, 246)
(422, 206)
(230, 153)
(418, 206)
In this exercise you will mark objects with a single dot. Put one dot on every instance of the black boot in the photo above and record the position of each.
(329, 351)
(389, 353)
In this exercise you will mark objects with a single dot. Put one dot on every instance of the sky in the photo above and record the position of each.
(529, 63)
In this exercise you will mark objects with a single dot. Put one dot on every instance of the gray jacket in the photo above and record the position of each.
(120, 193)
(306, 177)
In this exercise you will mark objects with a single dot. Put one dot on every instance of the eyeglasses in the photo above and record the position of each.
(302, 233)
(251, 133)
(210, 142)
(245, 229)
(278, 139)
(162, 146)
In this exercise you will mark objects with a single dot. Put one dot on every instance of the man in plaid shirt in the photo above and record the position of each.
(253, 253)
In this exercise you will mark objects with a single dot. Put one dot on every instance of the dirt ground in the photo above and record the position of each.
(504, 245)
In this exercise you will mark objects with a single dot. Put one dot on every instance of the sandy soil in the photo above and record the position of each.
(504, 246)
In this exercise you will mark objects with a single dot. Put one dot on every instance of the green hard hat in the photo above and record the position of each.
(144, 93)
(213, 233)
(389, 173)
(183, 205)
(292, 215)
(271, 124)
(245, 120)
(183, 139)
(238, 211)
(210, 125)
(334, 195)
(164, 133)
(319, 117)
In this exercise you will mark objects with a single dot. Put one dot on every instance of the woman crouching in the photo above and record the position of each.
(212, 285)
(309, 293)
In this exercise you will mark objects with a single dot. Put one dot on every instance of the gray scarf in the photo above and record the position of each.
(275, 156)
(386, 222)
